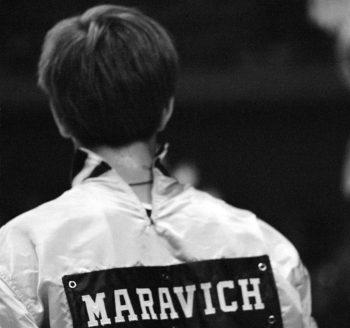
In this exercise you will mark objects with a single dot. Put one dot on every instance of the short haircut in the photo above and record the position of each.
(109, 74)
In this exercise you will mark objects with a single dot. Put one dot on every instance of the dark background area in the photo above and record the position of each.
(261, 110)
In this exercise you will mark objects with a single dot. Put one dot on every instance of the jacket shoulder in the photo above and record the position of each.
(32, 227)
(282, 251)
(208, 205)
(277, 246)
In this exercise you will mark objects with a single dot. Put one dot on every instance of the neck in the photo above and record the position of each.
(133, 163)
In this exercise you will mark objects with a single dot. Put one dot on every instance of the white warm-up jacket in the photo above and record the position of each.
(95, 258)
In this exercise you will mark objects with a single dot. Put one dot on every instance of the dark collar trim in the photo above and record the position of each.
(103, 167)
(78, 163)
(81, 156)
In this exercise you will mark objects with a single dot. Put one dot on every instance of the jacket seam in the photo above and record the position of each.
(7, 280)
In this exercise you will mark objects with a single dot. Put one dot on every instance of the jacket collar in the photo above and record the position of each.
(164, 187)
(87, 164)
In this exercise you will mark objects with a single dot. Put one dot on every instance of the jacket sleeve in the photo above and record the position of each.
(287, 261)
(300, 278)
(13, 313)
(20, 305)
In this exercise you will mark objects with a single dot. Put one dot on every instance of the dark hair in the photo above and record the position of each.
(108, 73)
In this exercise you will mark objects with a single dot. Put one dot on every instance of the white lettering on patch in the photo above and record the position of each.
(127, 306)
(166, 303)
(186, 304)
(254, 293)
(96, 309)
(221, 286)
(146, 305)
(148, 301)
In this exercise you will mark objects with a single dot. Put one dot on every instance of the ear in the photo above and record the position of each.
(61, 128)
(166, 115)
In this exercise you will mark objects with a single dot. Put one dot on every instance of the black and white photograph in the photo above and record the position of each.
(175, 164)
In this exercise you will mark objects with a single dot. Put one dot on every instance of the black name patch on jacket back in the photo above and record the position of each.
(235, 293)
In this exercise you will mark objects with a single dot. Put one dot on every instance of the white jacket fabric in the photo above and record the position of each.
(100, 225)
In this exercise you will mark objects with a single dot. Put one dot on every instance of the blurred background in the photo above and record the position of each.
(262, 120)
